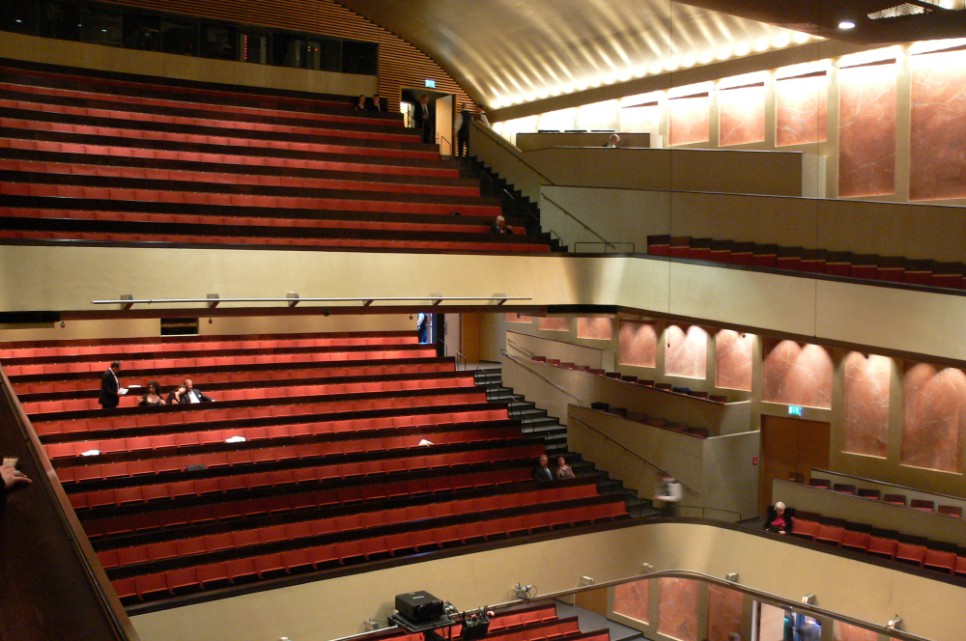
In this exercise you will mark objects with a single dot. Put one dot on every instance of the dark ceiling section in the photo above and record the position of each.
(822, 18)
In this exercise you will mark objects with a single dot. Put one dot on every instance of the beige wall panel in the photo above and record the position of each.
(758, 219)
(893, 229)
(103, 58)
(621, 216)
(904, 320)
(563, 350)
(743, 298)
(730, 477)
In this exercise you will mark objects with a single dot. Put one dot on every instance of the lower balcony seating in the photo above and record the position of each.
(893, 269)
(873, 494)
(884, 544)
(387, 452)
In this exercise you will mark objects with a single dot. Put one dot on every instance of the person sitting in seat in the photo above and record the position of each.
(779, 519)
(499, 226)
(188, 394)
(152, 397)
(542, 473)
(614, 142)
(361, 103)
(564, 471)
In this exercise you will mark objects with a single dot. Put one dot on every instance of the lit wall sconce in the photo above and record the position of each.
(647, 568)
(732, 576)
(586, 580)
(372, 624)
(524, 592)
(808, 599)
(895, 623)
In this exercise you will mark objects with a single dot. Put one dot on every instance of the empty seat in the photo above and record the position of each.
(868, 493)
(855, 540)
(910, 553)
(922, 504)
(894, 499)
(830, 534)
(944, 561)
(950, 510)
(844, 488)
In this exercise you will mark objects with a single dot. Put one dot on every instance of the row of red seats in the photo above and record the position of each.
(485, 208)
(145, 120)
(342, 553)
(166, 461)
(237, 159)
(295, 531)
(321, 244)
(508, 620)
(110, 135)
(54, 169)
(253, 222)
(198, 364)
(926, 505)
(897, 269)
(127, 518)
(145, 445)
(147, 92)
(279, 478)
(887, 547)
(174, 346)
(370, 374)
(39, 408)
(201, 418)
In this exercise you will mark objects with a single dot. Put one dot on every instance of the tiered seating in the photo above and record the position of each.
(664, 387)
(874, 494)
(129, 160)
(320, 451)
(885, 544)
(894, 269)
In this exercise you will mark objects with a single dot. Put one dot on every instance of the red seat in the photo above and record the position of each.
(856, 540)
(882, 546)
(951, 510)
(922, 504)
(940, 560)
(805, 528)
(910, 553)
(831, 534)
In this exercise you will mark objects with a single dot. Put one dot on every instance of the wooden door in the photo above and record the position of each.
(790, 449)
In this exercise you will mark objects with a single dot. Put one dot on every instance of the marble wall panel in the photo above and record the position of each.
(725, 608)
(689, 119)
(517, 318)
(797, 374)
(686, 351)
(934, 424)
(677, 614)
(642, 118)
(733, 353)
(631, 600)
(802, 110)
(638, 343)
(937, 156)
(866, 404)
(848, 632)
(596, 328)
(554, 324)
(867, 130)
(741, 115)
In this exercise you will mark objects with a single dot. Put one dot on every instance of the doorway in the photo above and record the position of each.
(443, 108)
(790, 449)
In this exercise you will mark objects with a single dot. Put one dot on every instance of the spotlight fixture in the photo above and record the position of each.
(524, 592)
(732, 576)
(808, 599)
(647, 568)
(846, 25)
(895, 623)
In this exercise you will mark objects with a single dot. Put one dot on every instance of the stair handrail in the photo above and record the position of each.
(630, 243)
(513, 344)
(488, 176)
(520, 362)
(690, 490)
(569, 214)
(460, 361)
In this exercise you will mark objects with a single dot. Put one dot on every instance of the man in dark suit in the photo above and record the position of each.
(425, 120)
(110, 387)
(188, 394)
(542, 473)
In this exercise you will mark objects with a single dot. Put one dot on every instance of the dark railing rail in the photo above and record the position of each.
(54, 588)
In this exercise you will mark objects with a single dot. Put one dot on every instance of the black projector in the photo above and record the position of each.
(419, 607)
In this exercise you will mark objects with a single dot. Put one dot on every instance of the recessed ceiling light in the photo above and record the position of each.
(845, 25)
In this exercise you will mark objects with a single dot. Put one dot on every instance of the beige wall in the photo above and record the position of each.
(935, 232)
(338, 607)
(152, 63)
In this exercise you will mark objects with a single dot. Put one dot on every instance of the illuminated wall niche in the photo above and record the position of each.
(934, 424)
(866, 404)
(937, 156)
(554, 324)
(867, 129)
(797, 374)
(733, 353)
(597, 328)
(642, 117)
(686, 351)
(517, 318)
(802, 109)
(689, 119)
(677, 614)
(741, 114)
(638, 343)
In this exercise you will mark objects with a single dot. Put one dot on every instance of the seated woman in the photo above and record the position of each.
(564, 471)
(779, 519)
(152, 397)
(361, 103)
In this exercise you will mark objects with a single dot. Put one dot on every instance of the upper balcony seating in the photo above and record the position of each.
(384, 451)
(894, 269)
(129, 161)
